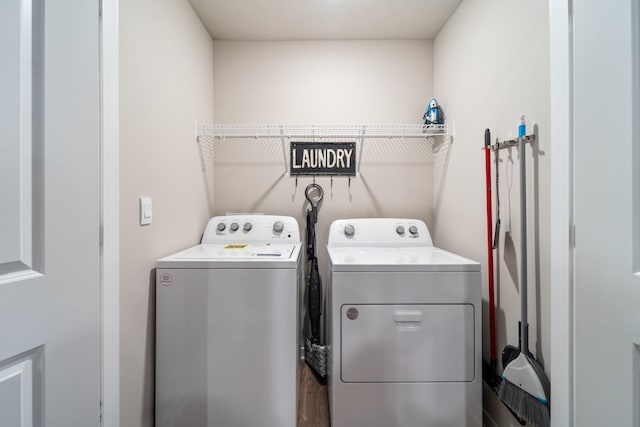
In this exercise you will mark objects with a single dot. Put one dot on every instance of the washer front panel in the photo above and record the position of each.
(227, 340)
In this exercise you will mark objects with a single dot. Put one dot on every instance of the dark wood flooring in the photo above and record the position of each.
(313, 409)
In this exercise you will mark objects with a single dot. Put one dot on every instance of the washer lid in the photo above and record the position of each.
(398, 259)
(234, 255)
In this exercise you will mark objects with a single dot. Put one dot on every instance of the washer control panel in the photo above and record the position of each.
(379, 232)
(253, 228)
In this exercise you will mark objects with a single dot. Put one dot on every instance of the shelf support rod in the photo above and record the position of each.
(284, 150)
(363, 130)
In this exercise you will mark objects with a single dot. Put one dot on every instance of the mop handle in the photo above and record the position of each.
(524, 327)
(492, 315)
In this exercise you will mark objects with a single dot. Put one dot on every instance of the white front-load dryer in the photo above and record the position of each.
(228, 326)
(403, 328)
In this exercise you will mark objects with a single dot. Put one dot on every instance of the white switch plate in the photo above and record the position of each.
(146, 210)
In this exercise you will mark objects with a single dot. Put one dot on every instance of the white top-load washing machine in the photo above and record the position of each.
(403, 328)
(228, 326)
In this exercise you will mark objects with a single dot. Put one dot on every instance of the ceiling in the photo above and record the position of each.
(324, 19)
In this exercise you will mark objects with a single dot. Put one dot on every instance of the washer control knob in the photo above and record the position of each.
(400, 230)
(221, 226)
(349, 231)
(278, 227)
(413, 230)
(247, 226)
(234, 226)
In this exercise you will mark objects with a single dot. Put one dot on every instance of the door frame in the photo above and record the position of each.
(561, 96)
(110, 213)
(562, 211)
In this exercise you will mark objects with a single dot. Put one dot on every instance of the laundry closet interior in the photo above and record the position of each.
(195, 75)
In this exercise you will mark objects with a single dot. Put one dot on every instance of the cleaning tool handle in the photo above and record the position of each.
(311, 235)
(315, 301)
(492, 316)
(524, 336)
(314, 194)
(522, 126)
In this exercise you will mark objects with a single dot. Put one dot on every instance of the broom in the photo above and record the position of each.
(525, 386)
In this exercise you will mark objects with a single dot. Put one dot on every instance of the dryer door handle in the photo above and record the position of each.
(410, 316)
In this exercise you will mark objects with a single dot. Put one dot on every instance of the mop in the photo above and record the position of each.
(315, 351)
(492, 380)
(525, 386)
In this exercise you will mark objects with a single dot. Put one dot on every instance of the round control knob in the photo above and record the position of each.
(400, 230)
(349, 231)
(247, 226)
(413, 230)
(278, 227)
(234, 226)
(221, 226)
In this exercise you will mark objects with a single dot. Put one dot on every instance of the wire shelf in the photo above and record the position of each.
(207, 134)
(322, 131)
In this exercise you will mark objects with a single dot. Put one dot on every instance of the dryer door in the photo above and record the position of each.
(407, 343)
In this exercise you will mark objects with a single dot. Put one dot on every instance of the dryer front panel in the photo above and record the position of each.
(407, 343)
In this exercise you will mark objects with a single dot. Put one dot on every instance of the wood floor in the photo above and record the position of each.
(313, 409)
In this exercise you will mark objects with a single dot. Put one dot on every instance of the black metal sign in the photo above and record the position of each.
(323, 158)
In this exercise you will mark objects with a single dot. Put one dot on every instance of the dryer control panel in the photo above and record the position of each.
(253, 228)
(382, 232)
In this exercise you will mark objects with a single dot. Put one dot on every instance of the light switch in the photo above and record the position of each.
(146, 210)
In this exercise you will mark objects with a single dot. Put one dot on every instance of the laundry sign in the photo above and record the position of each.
(323, 158)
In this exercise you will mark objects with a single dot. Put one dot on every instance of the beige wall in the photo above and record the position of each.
(491, 65)
(323, 82)
(166, 78)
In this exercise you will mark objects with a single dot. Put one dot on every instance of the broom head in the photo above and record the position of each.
(525, 390)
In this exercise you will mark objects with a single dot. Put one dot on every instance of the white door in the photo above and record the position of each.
(49, 213)
(607, 214)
